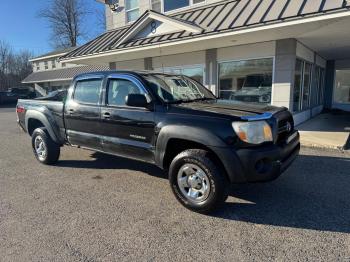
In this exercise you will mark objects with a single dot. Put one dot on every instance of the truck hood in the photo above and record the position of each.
(230, 108)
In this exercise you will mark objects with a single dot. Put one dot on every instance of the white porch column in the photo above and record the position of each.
(211, 71)
(285, 58)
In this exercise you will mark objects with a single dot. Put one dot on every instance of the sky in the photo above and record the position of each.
(22, 29)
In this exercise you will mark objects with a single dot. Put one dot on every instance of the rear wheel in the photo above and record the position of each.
(197, 181)
(45, 149)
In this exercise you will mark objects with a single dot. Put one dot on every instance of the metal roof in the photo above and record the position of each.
(217, 18)
(54, 53)
(61, 74)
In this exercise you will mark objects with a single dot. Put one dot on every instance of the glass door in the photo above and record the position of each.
(342, 87)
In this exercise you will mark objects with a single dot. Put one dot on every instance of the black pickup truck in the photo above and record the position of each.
(171, 121)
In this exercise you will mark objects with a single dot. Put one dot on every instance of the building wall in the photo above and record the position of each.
(185, 59)
(251, 51)
(41, 64)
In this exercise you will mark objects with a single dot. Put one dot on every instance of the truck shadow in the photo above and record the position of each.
(313, 194)
(104, 161)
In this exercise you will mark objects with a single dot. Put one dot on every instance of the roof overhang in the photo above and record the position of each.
(58, 75)
(296, 28)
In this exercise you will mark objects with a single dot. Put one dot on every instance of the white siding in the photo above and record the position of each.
(181, 59)
(305, 53)
(258, 50)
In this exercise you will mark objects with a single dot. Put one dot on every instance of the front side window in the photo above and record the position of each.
(119, 89)
(246, 81)
(88, 91)
(132, 10)
(177, 88)
(342, 87)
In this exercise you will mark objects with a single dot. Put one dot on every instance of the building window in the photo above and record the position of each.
(132, 10)
(63, 64)
(195, 72)
(247, 80)
(37, 66)
(46, 65)
(319, 85)
(342, 87)
(302, 85)
(53, 64)
(169, 5)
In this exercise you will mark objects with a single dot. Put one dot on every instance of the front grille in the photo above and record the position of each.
(285, 125)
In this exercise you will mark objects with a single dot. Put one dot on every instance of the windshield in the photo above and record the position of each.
(177, 88)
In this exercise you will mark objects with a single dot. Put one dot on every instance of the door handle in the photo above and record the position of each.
(106, 115)
(70, 111)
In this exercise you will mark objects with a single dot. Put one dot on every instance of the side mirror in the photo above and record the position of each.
(136, 100)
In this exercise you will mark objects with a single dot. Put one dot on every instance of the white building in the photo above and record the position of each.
(50, 74)
(293, 53)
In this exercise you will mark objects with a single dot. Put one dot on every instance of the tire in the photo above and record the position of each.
(45, 149)
(197, 182)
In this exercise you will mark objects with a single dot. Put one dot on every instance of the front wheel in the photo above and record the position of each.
(45, 149)
(197, 181)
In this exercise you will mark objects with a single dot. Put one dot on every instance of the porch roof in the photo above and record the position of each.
(65, 74)
(226, 16)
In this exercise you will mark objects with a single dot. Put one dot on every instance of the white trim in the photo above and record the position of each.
(214, 35)
(35, 59)
(47, 80)
(151, 15)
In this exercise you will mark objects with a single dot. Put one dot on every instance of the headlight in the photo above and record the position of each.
(255, 132)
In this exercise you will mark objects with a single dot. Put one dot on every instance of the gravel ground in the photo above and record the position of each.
(92, 207)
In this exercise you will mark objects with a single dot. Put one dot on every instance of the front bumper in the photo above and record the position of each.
(259, 164)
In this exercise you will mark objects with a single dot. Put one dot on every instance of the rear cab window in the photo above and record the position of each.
(88, 91)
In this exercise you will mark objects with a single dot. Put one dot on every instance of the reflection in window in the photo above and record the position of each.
(246, 81)
(119, 89)
(169, 5)
(132, 10)
(342, 87)
(302, 85)
(195, 72)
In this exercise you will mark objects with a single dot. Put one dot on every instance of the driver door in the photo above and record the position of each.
(126, 131)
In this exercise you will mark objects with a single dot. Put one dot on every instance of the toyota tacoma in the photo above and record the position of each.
(168, 120)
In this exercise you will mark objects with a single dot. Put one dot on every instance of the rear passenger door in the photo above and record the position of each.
(83, 113)
(127, 131)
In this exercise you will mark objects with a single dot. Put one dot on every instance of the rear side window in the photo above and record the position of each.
(88, 91)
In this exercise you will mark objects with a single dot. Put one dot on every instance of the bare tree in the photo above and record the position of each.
(14, 67)
(5, 53)
(65, 19)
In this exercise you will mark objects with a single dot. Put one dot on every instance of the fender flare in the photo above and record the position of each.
(47, 121)
(190, 133)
